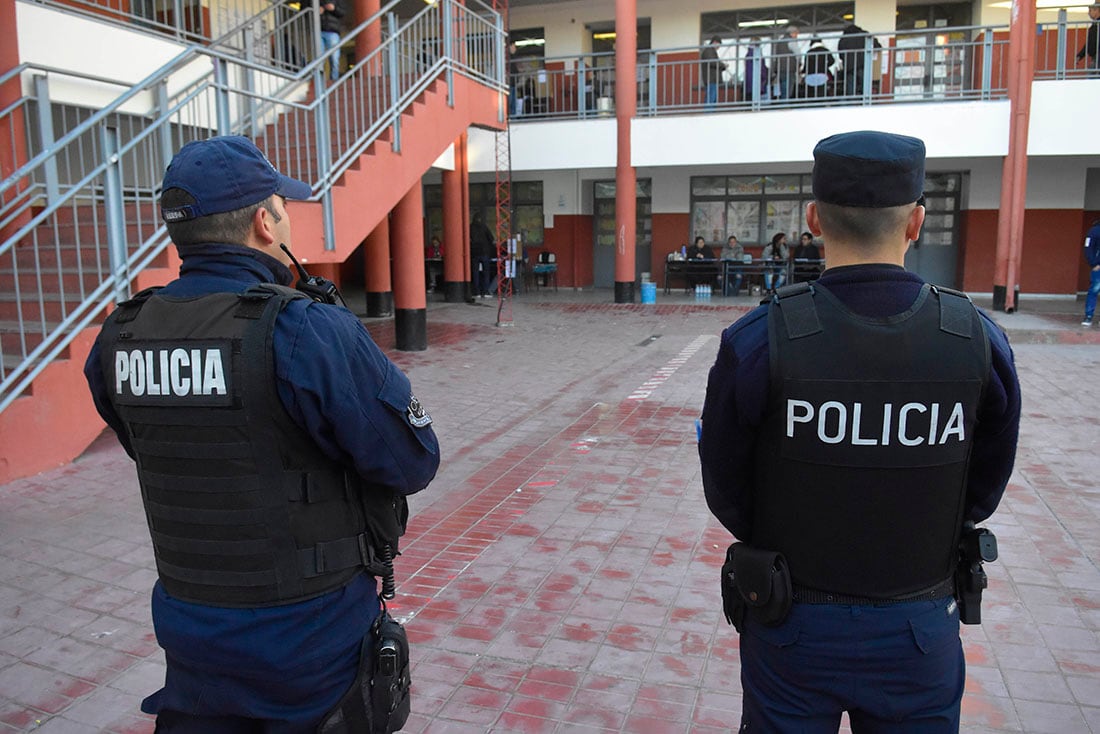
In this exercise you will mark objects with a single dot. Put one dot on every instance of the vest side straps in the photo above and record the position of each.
(211, 547)
(336, 555)
(796, 303)
(956, 312)
(217, 578)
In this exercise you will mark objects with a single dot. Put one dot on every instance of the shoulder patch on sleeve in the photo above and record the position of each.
(417, 415)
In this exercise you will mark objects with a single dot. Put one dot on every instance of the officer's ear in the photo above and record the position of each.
(813, 219)
(263, 226)
(914, 223)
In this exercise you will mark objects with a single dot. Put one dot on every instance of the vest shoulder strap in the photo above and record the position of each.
(956, 311)
(129, 310)
(796, 305)
(253, 300)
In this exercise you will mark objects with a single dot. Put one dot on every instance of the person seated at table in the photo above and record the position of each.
(735, 252)
(806, 250)
(778, 253)
(434, 250)
(699, 250)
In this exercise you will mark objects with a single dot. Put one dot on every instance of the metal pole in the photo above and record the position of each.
(115, 214)
(164, 133)
(221, 95)
(249, 82)
(987, 64)
(1060, 59)
(868, 61)
(448, 11)
(652, 83)
(395, 79)
(45, 132)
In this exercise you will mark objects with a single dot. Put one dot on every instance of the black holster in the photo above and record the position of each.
(757, 583)
(378, 701)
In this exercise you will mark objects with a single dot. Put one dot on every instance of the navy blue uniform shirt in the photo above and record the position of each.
(350, 398)
(738, 386)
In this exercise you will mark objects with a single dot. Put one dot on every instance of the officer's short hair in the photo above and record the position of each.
(859, 224)
(230, 227)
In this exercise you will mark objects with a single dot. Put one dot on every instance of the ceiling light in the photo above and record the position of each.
(762, 23)
(607, 36)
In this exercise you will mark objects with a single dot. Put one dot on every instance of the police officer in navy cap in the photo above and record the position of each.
(275, 445)
(851, 428)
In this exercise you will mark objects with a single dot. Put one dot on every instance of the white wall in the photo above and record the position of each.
(65, 41)
(1063, 118)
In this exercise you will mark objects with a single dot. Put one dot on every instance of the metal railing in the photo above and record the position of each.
(1061, 50)
(190, 21)
(78, 220)
(940, 64)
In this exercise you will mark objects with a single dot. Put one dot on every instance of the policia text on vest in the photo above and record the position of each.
(196, 372)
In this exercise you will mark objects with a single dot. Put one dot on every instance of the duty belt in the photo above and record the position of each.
(805, 595)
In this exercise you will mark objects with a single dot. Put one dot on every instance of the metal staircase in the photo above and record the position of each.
(79, 227)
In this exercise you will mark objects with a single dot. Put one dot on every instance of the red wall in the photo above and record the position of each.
(1051, 261)
(570, 239)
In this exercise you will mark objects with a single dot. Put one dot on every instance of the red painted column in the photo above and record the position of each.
(454, 280)
(626, 215)
(370, 37)
(1010, 221)
(465, 170)
(410, 299)
(13, 141)
(376, 266)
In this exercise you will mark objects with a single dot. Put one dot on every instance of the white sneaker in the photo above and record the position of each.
(1086, 322)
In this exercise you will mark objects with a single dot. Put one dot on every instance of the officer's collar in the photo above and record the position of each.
(265, 267)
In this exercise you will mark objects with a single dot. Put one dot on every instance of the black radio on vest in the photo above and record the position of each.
(319, 289)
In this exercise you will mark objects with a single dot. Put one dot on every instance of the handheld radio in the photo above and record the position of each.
(319, 289)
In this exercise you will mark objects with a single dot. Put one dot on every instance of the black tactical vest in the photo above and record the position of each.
(243, 508)
(862, 457)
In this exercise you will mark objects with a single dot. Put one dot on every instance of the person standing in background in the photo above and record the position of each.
(785, 64)
(1091, 49)
(710, 71)
(1092, 256)
(331, 29)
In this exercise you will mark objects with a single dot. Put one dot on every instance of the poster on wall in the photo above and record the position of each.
(743, 221)
(783, 216)
(708, 221)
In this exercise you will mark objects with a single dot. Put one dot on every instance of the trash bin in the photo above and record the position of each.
(649, 292)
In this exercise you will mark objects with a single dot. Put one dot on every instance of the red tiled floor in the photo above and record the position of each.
(559, 574)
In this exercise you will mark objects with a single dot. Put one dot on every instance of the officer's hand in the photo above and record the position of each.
(1096, 267)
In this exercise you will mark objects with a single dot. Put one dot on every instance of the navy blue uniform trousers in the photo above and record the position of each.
(894, 668)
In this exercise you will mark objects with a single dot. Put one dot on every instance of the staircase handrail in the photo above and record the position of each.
(115, 282)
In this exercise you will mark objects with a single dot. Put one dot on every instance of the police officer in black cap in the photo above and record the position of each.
(275, 445)
(851, 427)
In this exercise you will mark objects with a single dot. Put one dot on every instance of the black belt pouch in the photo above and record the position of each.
(756, 582)
(378, 702)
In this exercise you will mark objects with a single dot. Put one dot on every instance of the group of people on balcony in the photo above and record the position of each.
(786, 73)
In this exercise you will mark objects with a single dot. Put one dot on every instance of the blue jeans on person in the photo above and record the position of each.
(775, 278)
(893, 668)
(734, 278)
(330, 40)
(1094, 291)
(712, 95)
(483, 273)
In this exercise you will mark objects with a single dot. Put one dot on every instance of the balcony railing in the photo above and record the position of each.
(928, 65)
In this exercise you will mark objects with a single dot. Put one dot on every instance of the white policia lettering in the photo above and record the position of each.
(833, 425)
(166, 372)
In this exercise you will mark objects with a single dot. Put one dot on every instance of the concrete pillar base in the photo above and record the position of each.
(379, 304)
(410, 327)
(454, 292)
(624, 292)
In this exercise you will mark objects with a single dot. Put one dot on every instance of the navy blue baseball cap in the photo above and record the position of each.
(224, 174)
(869, 169)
